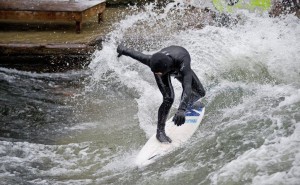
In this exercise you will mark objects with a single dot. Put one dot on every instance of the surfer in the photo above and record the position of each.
(170, 61)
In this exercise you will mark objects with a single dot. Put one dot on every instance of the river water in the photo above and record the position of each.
(87, 126)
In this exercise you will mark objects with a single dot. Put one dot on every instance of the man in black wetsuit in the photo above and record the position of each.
(170, 61)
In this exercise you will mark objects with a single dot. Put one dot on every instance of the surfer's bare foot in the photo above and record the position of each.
(162, 137)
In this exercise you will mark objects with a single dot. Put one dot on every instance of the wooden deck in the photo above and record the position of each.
(52, 10)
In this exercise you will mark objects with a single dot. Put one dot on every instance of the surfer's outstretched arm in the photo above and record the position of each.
(141, 57)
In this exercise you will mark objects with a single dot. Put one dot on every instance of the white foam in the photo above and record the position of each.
(259, 56)
(121, 162)
(258, 164)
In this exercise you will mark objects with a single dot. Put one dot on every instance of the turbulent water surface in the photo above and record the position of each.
(86, 127)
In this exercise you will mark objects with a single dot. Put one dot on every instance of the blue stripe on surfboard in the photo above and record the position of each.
(191, 121)
(194, 112)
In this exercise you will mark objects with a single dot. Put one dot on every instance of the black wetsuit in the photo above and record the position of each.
(180, 68)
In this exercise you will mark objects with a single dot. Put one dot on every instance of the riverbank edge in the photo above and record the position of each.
(48, 57)
(60, 57)
(56, 57)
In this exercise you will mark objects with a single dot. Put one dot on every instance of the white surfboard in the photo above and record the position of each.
(154, 149)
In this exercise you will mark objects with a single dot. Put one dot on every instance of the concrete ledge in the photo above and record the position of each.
(12, 49)
(46, 57)
(45, 63)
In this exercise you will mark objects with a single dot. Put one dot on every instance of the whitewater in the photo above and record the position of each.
(250, 134)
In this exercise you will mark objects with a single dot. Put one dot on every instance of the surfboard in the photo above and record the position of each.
(153, 149)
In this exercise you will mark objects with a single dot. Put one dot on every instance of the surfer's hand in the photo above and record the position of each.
(120, 50)
(179, 117)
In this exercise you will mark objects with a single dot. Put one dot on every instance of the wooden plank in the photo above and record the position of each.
(49, 5)
(29, 15)
(52, 15)
(53, 10)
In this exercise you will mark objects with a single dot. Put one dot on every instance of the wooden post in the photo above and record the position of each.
(100, 17)
(78, 26)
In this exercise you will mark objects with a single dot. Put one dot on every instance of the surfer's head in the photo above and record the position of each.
(160, 63)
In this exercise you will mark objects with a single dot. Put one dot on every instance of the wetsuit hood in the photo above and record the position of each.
(160, 62)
